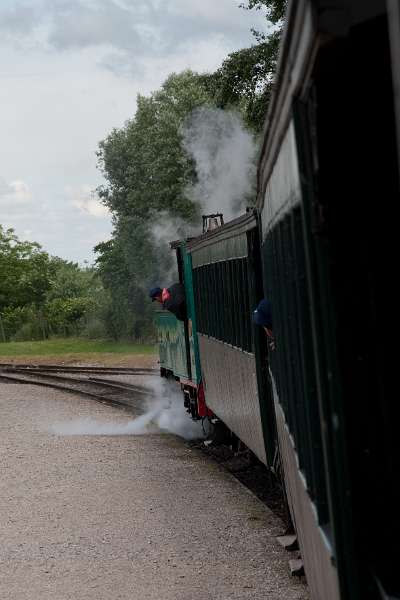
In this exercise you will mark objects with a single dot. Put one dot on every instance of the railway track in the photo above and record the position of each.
(79, 369)
(116, 393)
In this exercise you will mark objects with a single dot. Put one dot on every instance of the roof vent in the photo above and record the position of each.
(211, 222)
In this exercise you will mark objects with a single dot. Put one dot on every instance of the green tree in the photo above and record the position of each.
(25, 271)
(144, 164)
(147, 172)
(69, 280)
(66, 315)
(274, 9)
(40, 294)
(74, 298)
(245, 79)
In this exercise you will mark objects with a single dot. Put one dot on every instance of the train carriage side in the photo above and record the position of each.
(178, 344)
(329, 162)
(187, 279)
(193, 385)
(172, 345)
(227, 287)
(176, 352)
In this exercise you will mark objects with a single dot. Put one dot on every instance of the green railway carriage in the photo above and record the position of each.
(226, 271)
(178, 341)
(218, 356)
(184, 259)
(320, 247)
(328, 188)
(172, 345)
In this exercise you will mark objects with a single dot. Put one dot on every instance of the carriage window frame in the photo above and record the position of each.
(222, 287)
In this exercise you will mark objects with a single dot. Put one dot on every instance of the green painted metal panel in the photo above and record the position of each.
(192, 324)
(220, 250)
(172, 346)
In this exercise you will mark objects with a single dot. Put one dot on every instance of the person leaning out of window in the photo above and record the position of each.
(262, 316)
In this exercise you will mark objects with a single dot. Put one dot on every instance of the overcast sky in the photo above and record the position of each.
(70, 71)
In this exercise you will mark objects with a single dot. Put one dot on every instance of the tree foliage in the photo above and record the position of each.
(124, 264)
(147, 172)
(42, 295)
(245, 79)
(275, 9)
(25, 271)
(143, 163)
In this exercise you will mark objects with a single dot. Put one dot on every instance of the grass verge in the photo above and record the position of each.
(73, 350)
(72, 346)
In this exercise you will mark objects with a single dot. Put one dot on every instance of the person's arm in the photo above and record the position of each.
(271, 339)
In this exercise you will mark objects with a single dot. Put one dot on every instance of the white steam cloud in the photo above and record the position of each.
(165, 230)
(164, 413)
(225, 157)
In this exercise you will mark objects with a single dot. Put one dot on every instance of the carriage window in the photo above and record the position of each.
(222, 302)
(293, 362)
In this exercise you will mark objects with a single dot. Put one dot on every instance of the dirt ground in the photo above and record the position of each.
(94, 359)
(124, 517)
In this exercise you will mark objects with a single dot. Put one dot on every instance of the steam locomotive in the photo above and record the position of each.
(319, 244)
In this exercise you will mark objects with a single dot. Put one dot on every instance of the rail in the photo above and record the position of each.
(106, 391)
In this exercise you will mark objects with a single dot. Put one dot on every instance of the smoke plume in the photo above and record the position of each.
(164, 413)
(224, 153)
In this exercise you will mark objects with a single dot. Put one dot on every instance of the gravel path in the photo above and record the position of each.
(124, 517)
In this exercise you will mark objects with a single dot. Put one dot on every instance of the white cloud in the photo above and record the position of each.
(217, 14)
(15, 192)
(71, 71)
(59, 227)
(130, 32)
(85, 198)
